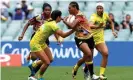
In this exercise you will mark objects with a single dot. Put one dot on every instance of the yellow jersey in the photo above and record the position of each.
(98, 34)
(46, 30)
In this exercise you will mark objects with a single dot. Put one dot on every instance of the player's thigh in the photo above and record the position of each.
(102, 48)
(42, 56)
(91, 44)
(85, 49)
(48, 53)
(83, 46)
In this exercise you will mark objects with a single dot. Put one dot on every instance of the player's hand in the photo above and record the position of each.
(20, 38)
(60, 40)
(101, 25)
(65, 19)
(115, 34)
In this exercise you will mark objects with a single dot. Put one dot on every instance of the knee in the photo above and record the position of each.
(88, 55)
(48, 63)
(105, 53)
(51, 60)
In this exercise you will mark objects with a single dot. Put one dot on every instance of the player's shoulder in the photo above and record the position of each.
(51, 23)
(94, 14)
(105, 14)
(38, 16)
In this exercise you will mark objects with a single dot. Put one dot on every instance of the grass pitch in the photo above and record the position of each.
(64, 73)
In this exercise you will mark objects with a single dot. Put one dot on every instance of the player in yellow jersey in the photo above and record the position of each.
(40, 48)
(83, 39)
(100, 17)
(36, 22)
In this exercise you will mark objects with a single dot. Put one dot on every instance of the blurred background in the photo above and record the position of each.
(16, 13)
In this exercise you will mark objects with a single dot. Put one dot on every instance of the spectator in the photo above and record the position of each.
(4, 5)
(131, 28)
(116, 25)
(24, 7)
(127, 24)
(19, 14)
(30, 12)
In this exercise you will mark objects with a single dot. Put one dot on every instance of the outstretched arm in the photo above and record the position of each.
(93, 26)
(64, 34)
(56, 36)
(23, 32)
(112, 27)
(71, 25)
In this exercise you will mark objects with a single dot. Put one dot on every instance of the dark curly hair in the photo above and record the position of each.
(46, 5)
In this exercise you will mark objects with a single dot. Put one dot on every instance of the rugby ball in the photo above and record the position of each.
(70, 18)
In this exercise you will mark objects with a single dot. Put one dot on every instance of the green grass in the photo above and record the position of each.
(64, 73)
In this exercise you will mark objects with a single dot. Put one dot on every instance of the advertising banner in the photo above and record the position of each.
(10, 60)
(67, 54)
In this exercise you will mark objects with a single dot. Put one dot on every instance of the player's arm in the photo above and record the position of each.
(111, 24)
(23, 32)
(64, 34)
(71, 25)
(112, 27)
(92, 23)
(93, 26)
(56, 36)
(30, 22)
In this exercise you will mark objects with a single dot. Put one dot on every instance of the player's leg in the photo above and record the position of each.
(91, 44)
(87, 57)
(33, 57)
(102, 48)
(75, 68)
(35, 66)
(90, 73)
(43, 57)
(49, 54)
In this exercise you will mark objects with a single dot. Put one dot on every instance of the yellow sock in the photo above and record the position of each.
(34, 64)
(89, 62)
(102, 70)
(40, 76)
(76, 67)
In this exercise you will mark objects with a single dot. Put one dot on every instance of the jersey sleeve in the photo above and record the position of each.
(34, 20)
(38, 17)
(55, 27)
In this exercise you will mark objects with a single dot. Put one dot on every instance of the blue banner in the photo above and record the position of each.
(67, 54)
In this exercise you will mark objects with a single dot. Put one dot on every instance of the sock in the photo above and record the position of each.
(37, 65)
(89, 66)
(102, 70)
(40, 76)
(32, 70)
(37, 68)
(34, 64)
(76, 67)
